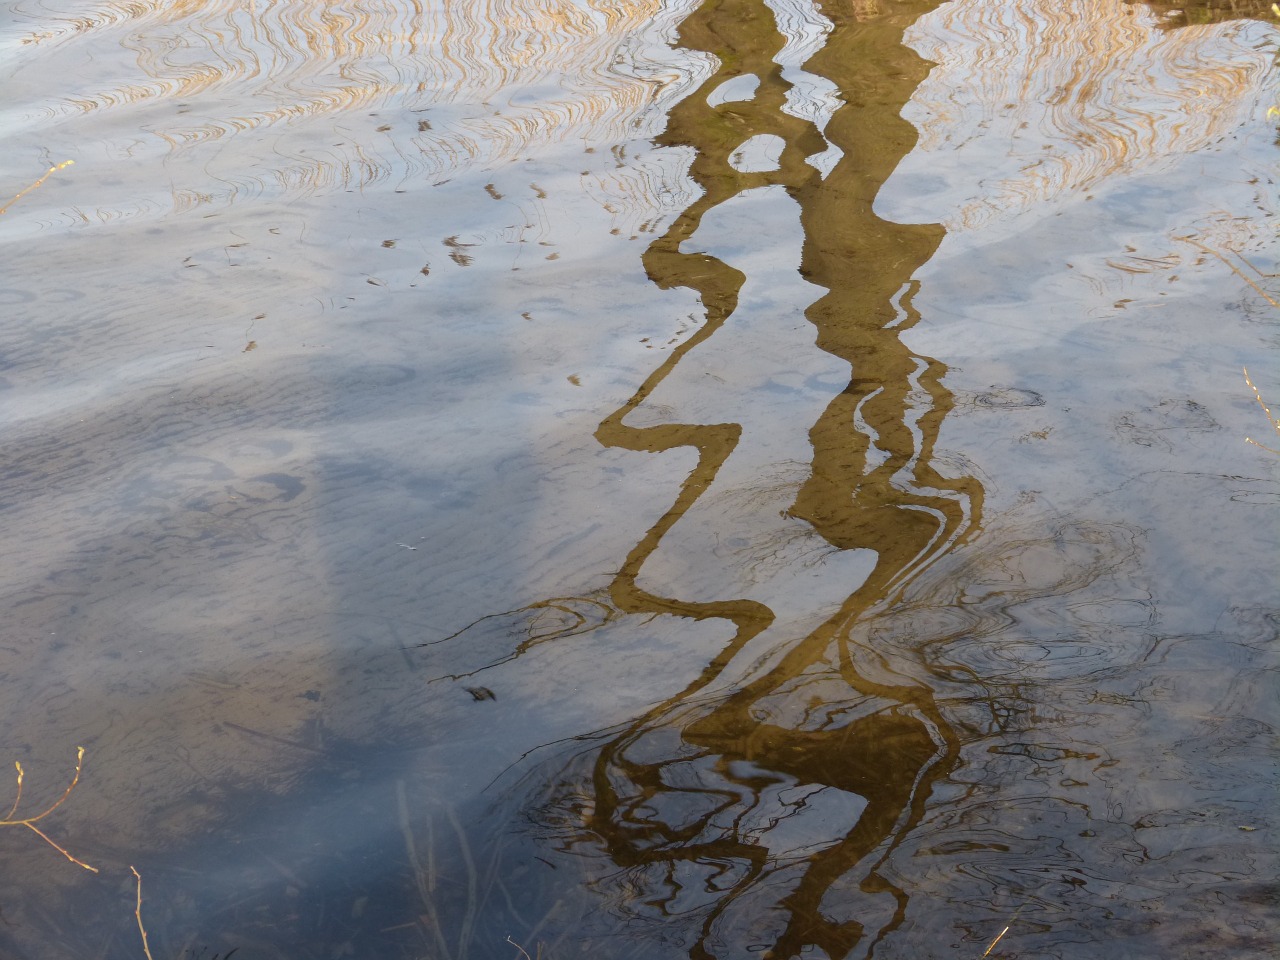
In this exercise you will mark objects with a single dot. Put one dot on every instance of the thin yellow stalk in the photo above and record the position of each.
(1275, 424)
(18, 799)
(996, 940)
(1233, 268)
(48, 173)
(137, 912)
(11, 819)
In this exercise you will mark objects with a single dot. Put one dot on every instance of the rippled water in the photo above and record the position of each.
(626, 478)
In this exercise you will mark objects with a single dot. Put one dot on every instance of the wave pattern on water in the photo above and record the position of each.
(1054, 98)
(438, 85)
(853, 694)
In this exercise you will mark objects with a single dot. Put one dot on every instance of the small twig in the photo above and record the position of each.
(30, 822)
(1008, 927)
(48, 173)
(996, 940)
(1265, 409)
(523, 953)
(18, 799)
(1233, 268)
(65, 793)
(283, 741)
(137, 912)
(62, 850)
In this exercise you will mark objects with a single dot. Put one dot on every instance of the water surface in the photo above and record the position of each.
(640, 479)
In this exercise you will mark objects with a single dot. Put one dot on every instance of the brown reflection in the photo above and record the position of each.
(1188, 12)
(783, 774)
(754, 807)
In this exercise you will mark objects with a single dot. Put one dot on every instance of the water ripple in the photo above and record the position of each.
(321, 98)
(1054, 98)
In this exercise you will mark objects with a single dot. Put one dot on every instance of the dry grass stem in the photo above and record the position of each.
(425, 879)
(137, 912)
(1234, 269)
(48, 173)
(469, 915)
(1275, 423)
(12, 819)
(996, 940)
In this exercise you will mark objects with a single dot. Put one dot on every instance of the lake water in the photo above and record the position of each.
(640, 479)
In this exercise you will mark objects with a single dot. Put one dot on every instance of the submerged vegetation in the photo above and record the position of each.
(11, 819)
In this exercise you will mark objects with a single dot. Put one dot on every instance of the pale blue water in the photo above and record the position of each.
(485, 470)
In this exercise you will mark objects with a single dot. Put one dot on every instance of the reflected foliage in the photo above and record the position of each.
(1210, 11)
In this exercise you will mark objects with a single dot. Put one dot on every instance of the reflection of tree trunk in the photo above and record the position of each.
(691, 794)
(746, 38)
(900, 508)
(877, 758)
(865, 263)
(871, 487)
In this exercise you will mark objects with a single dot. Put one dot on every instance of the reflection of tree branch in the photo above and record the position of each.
(580, 624)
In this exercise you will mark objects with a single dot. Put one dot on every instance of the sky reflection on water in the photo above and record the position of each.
(496, 469)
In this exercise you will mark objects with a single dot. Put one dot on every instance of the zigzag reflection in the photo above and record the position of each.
(793, 764)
